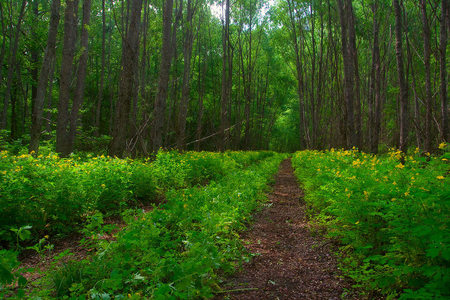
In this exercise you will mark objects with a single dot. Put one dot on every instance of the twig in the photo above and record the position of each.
(237, 290)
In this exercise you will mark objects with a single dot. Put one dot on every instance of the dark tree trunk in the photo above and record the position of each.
(403, 97)
(443, 73)
(225, 95)
(81, 76)
(130, 55)
(186, 88)
(348, 74)
(375, 118)
(46, 69)
(14, 44)
(166, 53)
(98, 111)
(355, 66)
(426, 57)
(299, 77)
(70, 25)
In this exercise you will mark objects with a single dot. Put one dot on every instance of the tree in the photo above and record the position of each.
(44, 74)
(163, 81)
(127, 86)
(403, 95)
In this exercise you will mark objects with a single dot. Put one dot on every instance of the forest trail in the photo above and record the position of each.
(290, 262)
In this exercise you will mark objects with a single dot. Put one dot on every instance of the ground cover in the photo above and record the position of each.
(236, 178)
(391, 218)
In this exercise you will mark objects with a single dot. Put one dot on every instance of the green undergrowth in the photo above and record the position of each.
(43, 198)
(54, 195)
(176, 251)
(392, 219)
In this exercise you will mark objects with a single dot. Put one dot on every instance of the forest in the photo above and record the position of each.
(145, 146)
(129, 77)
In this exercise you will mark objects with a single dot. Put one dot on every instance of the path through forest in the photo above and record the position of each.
(290, 262)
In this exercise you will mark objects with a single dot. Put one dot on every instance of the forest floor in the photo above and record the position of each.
(290, 262)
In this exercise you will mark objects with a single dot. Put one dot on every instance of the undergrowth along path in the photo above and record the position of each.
(290, 263)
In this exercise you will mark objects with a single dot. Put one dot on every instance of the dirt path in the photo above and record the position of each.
(291, 264)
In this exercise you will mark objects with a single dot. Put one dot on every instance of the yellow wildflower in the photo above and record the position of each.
(440, 177)
(442, 145)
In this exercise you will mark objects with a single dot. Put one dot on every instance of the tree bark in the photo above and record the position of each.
(11, 66)
(186, 87)
(225, 95)
(98, 111)
(348, 75)
(70, 24)
(355, 66)
(403, 96)
(374, 135)
(46, 69)
(163, 81)
(130, 55)
(443, 68)
(426, 57)
(81, 76)
(299, 77)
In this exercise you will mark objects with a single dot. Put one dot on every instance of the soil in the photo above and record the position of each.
(290, 262)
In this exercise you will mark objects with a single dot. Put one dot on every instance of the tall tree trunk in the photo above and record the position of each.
(46, 69)
(443, 68)
(163, 82)
(403, 97)
(186, 87)
(374, 135)
(348, 74)
(299, 77)
(98, 111)
(14, 44)
(426, 57)
(70, 25)
(355, 66)
(81, 76)
(225, 96)
(375, 86)
(130, 55)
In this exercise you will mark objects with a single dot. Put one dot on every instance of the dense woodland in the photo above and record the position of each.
(131, 76)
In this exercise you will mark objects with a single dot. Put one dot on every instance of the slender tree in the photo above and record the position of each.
(163, 81)
(44, 74)
(403, 96)
(127, 84)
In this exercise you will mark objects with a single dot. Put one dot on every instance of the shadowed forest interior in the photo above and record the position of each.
(129, 77)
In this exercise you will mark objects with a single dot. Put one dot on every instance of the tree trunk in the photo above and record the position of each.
(426, 57)
(225, 96)
(81, 76)
(98, 111)
(70, 25)
(443, 73)
(186, 88)
(166, 55)
(46, 69)
(299, 78)
(11, 63)
(403, 97)
(348, 74)
(374, 135)
(130, 55)
(355, 66)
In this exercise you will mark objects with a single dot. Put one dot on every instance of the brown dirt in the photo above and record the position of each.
(290, 263)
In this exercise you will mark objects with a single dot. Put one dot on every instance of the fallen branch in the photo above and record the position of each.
(237, 290)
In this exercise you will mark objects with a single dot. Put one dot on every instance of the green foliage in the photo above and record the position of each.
(391, 218)
(176, 250)
(53, 195)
